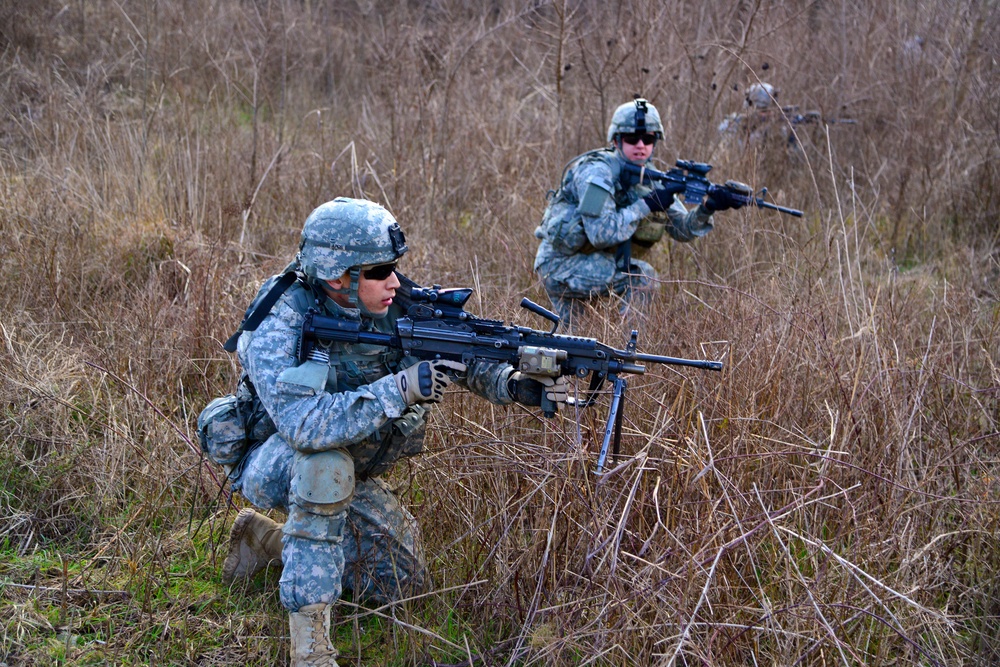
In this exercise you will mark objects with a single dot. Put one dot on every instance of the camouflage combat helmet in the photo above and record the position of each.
(345, 234)
(635, 116)
(761, 95)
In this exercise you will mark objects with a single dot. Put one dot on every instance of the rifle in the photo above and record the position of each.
(690, 178)
(810, 117)
(437, 326)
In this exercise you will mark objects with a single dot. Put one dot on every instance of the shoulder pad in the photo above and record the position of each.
(301, 296)
(268, 294)
(605, 155)
(601, 172)
(598, 154)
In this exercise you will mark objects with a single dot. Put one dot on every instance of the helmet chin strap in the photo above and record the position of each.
(352, 296)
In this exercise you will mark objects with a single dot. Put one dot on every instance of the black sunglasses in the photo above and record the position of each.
(379, 271)
(632, 138)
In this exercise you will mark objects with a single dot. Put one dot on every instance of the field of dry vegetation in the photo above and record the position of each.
(830, 498)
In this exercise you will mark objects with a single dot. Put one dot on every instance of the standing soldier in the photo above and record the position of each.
(324, 431)
(598, 212)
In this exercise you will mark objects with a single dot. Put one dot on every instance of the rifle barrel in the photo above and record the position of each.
(704, 364)
(760, 203)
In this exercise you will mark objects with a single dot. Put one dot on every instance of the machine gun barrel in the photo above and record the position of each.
(703, 364)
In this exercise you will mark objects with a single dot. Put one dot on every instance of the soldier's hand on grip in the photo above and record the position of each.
(425, 382)
(527, 389)
(659, 199)
(731, 195)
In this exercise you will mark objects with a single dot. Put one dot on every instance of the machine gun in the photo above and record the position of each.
(437, 326)
(690, 178)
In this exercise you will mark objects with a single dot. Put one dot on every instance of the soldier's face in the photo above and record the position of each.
(375, 294)
(639, 151)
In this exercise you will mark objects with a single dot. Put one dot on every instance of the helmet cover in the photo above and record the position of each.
(347, 233)
(761, 95)
(637, 116)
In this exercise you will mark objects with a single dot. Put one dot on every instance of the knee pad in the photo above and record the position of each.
(321, 490)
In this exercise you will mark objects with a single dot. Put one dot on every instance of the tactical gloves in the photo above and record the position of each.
(659, 200)
(527, 389)
(731, 195)
(425, 382)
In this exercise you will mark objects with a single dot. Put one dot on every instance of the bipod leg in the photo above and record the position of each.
(619, 417)
(614, 427)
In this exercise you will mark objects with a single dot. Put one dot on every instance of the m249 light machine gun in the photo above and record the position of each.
(437, 326)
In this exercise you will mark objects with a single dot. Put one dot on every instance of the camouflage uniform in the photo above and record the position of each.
(581, 256)
(762, 128)
(763, 124)
(312, 436)
(360, 411)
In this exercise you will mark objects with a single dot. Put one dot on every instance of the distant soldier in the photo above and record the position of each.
(600, 210)
(760, 120)
(763, 123)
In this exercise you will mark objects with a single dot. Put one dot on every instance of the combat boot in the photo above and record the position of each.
(254, 542)
(310, 630)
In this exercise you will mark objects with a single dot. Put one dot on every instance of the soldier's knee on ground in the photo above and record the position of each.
(321, 490)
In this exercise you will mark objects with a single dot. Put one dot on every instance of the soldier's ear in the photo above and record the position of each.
(341, 283)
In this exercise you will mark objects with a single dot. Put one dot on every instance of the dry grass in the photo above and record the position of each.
(830, 498)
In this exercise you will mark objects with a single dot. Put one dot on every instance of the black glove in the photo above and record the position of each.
(731, 195)
(527, 389)
(659, 200)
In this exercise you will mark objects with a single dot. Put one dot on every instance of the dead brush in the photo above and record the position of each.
(829, 498)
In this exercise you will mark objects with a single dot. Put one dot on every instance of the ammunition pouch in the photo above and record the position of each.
(563, 227)
(230, 426)
(649, 231)
(221, 432)
(402, 438)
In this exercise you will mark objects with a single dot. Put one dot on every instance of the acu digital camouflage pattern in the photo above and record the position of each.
(228, 425)
(357, 409)
(757, 128)
(379, 555)
(766, 125)
(576, 258)
(346, 233)
(221, 431)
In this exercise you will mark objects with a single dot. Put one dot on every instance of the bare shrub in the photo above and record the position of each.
(829, 497)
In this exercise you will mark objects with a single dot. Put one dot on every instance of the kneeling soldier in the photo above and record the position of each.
(339, 421)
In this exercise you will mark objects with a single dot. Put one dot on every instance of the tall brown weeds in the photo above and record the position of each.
(829, 498)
